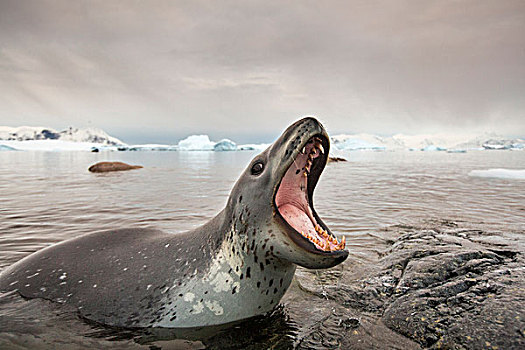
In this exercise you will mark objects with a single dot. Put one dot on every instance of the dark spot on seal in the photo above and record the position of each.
(275, 291)
(261, 266)
(259, 284)
(248, 272)
(240, 199)
(297, 171)
(242, 276)
(271, 282)
(234, 290)
(281, 282)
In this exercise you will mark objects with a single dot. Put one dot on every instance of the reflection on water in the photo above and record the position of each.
(48, 197)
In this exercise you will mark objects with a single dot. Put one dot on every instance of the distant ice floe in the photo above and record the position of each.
(53, 145)
(92, 139)
(253, 147)
(225, 145)
(354, 144)
(455, 143)
(433, 148)
(500, 173)
(196, 143)
(149, 147)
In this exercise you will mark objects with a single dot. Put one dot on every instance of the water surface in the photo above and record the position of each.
(47, 197)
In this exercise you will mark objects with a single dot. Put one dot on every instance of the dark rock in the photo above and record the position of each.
(438, 286)
(103, 167)
(336, 159)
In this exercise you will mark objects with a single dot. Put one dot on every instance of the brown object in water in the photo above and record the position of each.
(336, 159)
(103, 167)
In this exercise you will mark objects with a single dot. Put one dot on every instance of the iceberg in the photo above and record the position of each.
(359, 142)
(152, 147)
(196, 143)
(433, 148)
(225, 145)
(253, 147)
(500, 173)
(515, 144)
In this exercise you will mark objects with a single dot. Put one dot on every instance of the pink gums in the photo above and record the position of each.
(292, 200)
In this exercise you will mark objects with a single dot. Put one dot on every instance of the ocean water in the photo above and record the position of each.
(47, 197)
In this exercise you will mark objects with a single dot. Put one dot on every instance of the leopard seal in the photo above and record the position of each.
(237, 265)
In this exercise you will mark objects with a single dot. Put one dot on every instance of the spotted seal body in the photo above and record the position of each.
(237, 265)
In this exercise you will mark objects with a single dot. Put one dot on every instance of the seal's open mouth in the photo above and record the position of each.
(293, 199)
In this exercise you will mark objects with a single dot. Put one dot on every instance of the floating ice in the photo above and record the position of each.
(225, 145)
(253, 147)
(358, 142)
(153, 147)
(53, 145)
(500, 173)
(196, 143)
(433, 148)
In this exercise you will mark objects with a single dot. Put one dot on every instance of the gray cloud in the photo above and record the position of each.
(159, 70)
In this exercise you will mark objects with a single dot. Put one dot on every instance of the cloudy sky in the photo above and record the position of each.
(156, 71)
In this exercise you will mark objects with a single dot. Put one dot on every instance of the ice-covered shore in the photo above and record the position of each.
(73, 139)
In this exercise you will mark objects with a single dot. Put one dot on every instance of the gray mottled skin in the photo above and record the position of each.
(237, 265)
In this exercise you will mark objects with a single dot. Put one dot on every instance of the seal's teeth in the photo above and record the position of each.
(303, 151)
(343, 242)
(320, 148)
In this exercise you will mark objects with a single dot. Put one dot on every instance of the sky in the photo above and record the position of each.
(157, 71)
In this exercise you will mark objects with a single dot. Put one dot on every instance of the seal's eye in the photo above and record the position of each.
(257, 168)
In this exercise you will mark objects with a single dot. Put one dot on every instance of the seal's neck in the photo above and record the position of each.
(243, 279)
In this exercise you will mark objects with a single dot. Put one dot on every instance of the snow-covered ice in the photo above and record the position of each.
(29, 133)
(196, 143)
(74, 139)
(500, 173)
(53, 145)
(225, 145)
(253, 147)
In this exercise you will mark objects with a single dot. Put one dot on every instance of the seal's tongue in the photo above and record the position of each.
(292, 199)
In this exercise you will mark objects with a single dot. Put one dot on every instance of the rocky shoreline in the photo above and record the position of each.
(438, 286)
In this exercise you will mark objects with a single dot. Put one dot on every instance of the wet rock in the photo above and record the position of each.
(336, 159)
(104, 167)
(439, 286)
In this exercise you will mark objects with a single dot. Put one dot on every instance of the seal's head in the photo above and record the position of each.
(275, 196)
